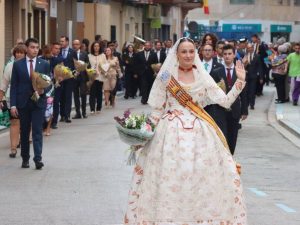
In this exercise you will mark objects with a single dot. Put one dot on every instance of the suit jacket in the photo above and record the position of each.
(68, 61)
(53, 61)
(21, 86)
(83, 56)
(162, 57)
(142, 66)
(215, 65)
(216, 111)
(128, 62)
(239, 107)
(254, 68)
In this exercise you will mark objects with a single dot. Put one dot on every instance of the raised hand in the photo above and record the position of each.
(240, 70)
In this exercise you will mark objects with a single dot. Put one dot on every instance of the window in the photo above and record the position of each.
(281, 2)
(113, 33)
(247, 2)
(297, 2)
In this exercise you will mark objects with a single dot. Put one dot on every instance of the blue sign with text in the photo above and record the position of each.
(256, 28)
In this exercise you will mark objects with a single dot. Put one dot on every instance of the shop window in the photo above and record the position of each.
(247, 2)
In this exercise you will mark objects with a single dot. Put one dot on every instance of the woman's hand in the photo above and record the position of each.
(240, 70)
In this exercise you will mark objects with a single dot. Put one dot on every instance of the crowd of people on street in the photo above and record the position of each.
(133, 70)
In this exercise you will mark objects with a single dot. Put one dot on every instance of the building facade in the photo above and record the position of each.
(2, 37)
(62, 19)
(271, 19)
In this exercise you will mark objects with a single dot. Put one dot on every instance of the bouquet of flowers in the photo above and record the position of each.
(39, 81)
(156, 67)
(222, 85)
(61, 73)
(80, 65)
(134, 130)
(92, 74)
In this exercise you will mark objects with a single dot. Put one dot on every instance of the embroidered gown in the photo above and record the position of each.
(185, 175)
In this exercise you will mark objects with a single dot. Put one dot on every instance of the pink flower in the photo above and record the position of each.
(148, 127)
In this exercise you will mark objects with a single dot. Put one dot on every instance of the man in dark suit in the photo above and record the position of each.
(160, 53)
(219, 50)
(208, 61)
(80, 86)
(143, 61)
(67, 85)
(168, 46)
(55, 60)
(253, 68)
(228, 120)
(261, 48)
(242, 50)
(210, 64)
(30, 112)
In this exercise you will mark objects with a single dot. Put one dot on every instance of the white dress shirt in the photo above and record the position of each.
(158, 55)
(220, 60)
(28, 64)
(231, 69)
(209, 65)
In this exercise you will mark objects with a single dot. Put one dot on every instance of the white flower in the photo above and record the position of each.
(133, 123)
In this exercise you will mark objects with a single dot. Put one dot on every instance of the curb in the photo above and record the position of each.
(286, 123)
(284, 127)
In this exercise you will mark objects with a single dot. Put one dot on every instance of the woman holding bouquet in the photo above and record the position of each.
(186, 174)
(97, 85)
(109, 69)
(18, 52)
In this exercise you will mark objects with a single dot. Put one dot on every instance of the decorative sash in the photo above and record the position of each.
(186, 101)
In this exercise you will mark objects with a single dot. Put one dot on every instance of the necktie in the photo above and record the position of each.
(78, 55)
(206, 66)
(228, 76)
(158, 56)
(220, 60)
(31, 68)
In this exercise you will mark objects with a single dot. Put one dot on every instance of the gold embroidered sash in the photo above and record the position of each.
(186, 101)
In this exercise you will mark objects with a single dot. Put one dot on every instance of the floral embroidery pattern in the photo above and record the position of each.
(181, 174)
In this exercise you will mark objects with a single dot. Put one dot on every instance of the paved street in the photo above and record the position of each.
(85, 180)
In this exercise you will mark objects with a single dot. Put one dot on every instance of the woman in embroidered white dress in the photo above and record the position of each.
(185, 175)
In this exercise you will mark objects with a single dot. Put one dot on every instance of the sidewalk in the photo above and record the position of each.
(285, 118)
(289, 117)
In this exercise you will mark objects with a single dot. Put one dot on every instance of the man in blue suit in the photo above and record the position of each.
(31, 113)
(67, 54)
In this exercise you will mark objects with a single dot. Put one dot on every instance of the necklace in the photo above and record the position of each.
(188, 69)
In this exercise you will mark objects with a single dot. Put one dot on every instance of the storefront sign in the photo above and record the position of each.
(155, 23)
(255, 28)
(281, 28)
